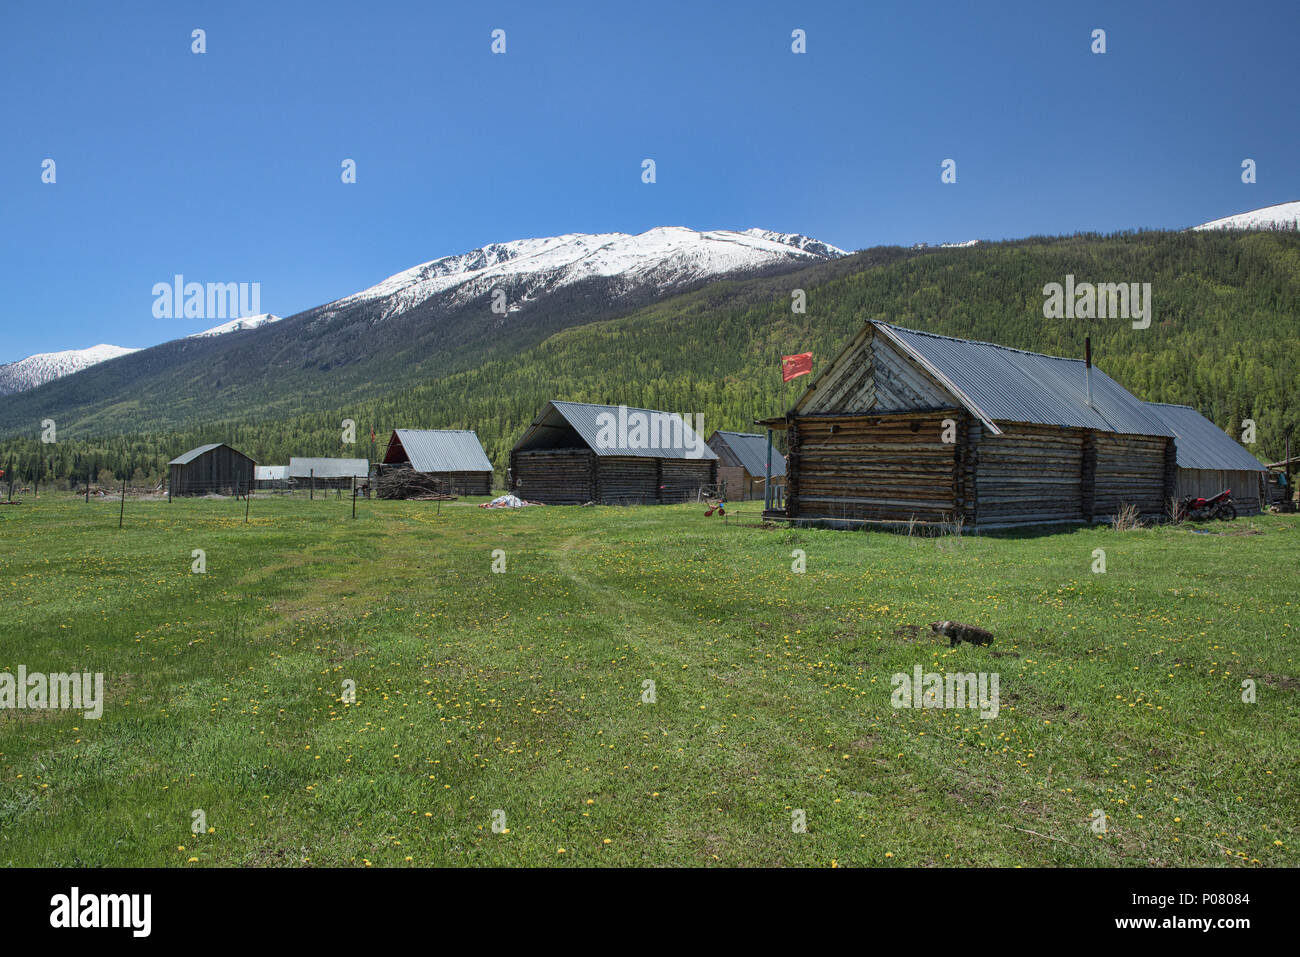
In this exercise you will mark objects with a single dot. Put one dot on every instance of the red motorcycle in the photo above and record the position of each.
(1203, 509)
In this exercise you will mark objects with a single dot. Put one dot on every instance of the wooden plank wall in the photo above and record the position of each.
(873, 375)
(734, 476)
(554, 476)
(1206, 483)
(882, 468)
(221, 470)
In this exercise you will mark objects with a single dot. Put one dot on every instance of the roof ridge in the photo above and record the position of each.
(977, 342)
(606, 405)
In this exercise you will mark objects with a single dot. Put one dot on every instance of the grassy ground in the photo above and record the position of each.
(523, 691)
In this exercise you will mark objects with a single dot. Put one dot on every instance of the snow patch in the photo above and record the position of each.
(47, 366)
(236, 325)
(1281, 216)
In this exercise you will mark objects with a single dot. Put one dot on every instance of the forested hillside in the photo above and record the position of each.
(1224, 338)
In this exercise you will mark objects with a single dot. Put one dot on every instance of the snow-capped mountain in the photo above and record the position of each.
(1281, 216)
(412, 327)
(236, 325)
(526, 269)
(45, 366)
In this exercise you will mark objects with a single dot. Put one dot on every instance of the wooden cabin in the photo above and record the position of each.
(906, 425)
(322, 473)
(743, 464)
(1210, 460)
(453, 457)
(574, 453)
(215, 469)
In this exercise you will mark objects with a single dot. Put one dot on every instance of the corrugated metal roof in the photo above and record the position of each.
(270, 473)
(443, 450)
(193, 454)
(301, 468)
(669, 436)
(1202, 444)
(751, 449)
(1010, 385)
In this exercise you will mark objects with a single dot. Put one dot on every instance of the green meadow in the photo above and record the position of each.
(522, 698)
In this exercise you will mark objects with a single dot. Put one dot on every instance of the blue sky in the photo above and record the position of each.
(225, 166)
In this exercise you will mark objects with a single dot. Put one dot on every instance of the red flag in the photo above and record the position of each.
(794, 366)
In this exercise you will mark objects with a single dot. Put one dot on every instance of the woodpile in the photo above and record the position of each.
(402, 482)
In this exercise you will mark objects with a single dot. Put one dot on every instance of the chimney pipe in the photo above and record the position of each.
(1087, 367)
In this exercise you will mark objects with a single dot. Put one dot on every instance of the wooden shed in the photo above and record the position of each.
(211, 469)
(574, 453)
(453, 457)
(743, 464)
(1210, 460)
(906, 425)
(321, 473)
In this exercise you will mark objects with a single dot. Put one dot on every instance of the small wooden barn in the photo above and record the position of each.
(907, 425)
(743, 462)
(574, 453)
(1210, 460)
(214, 469)
(453, 457)
(328, 473)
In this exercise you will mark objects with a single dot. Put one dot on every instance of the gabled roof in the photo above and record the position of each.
(750, 450)
(999, 384)
(193, 454)
(668, 436)
(1202, 444)
(301, 468)
(438, 450)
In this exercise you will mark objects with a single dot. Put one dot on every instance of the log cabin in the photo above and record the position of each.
(570, 455)
(215, 469)
(743, 464)
(911, 426)
(322, 473)
(453, 457)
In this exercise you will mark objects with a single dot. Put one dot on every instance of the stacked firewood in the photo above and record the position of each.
(406, 483)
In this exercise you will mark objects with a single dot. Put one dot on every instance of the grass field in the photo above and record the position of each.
(522, 691)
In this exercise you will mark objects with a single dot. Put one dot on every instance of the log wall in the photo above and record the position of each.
(680, 480)
(1030, 473)
(1131, 470)
(578, 476)
(554, 476)
(881, 468)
